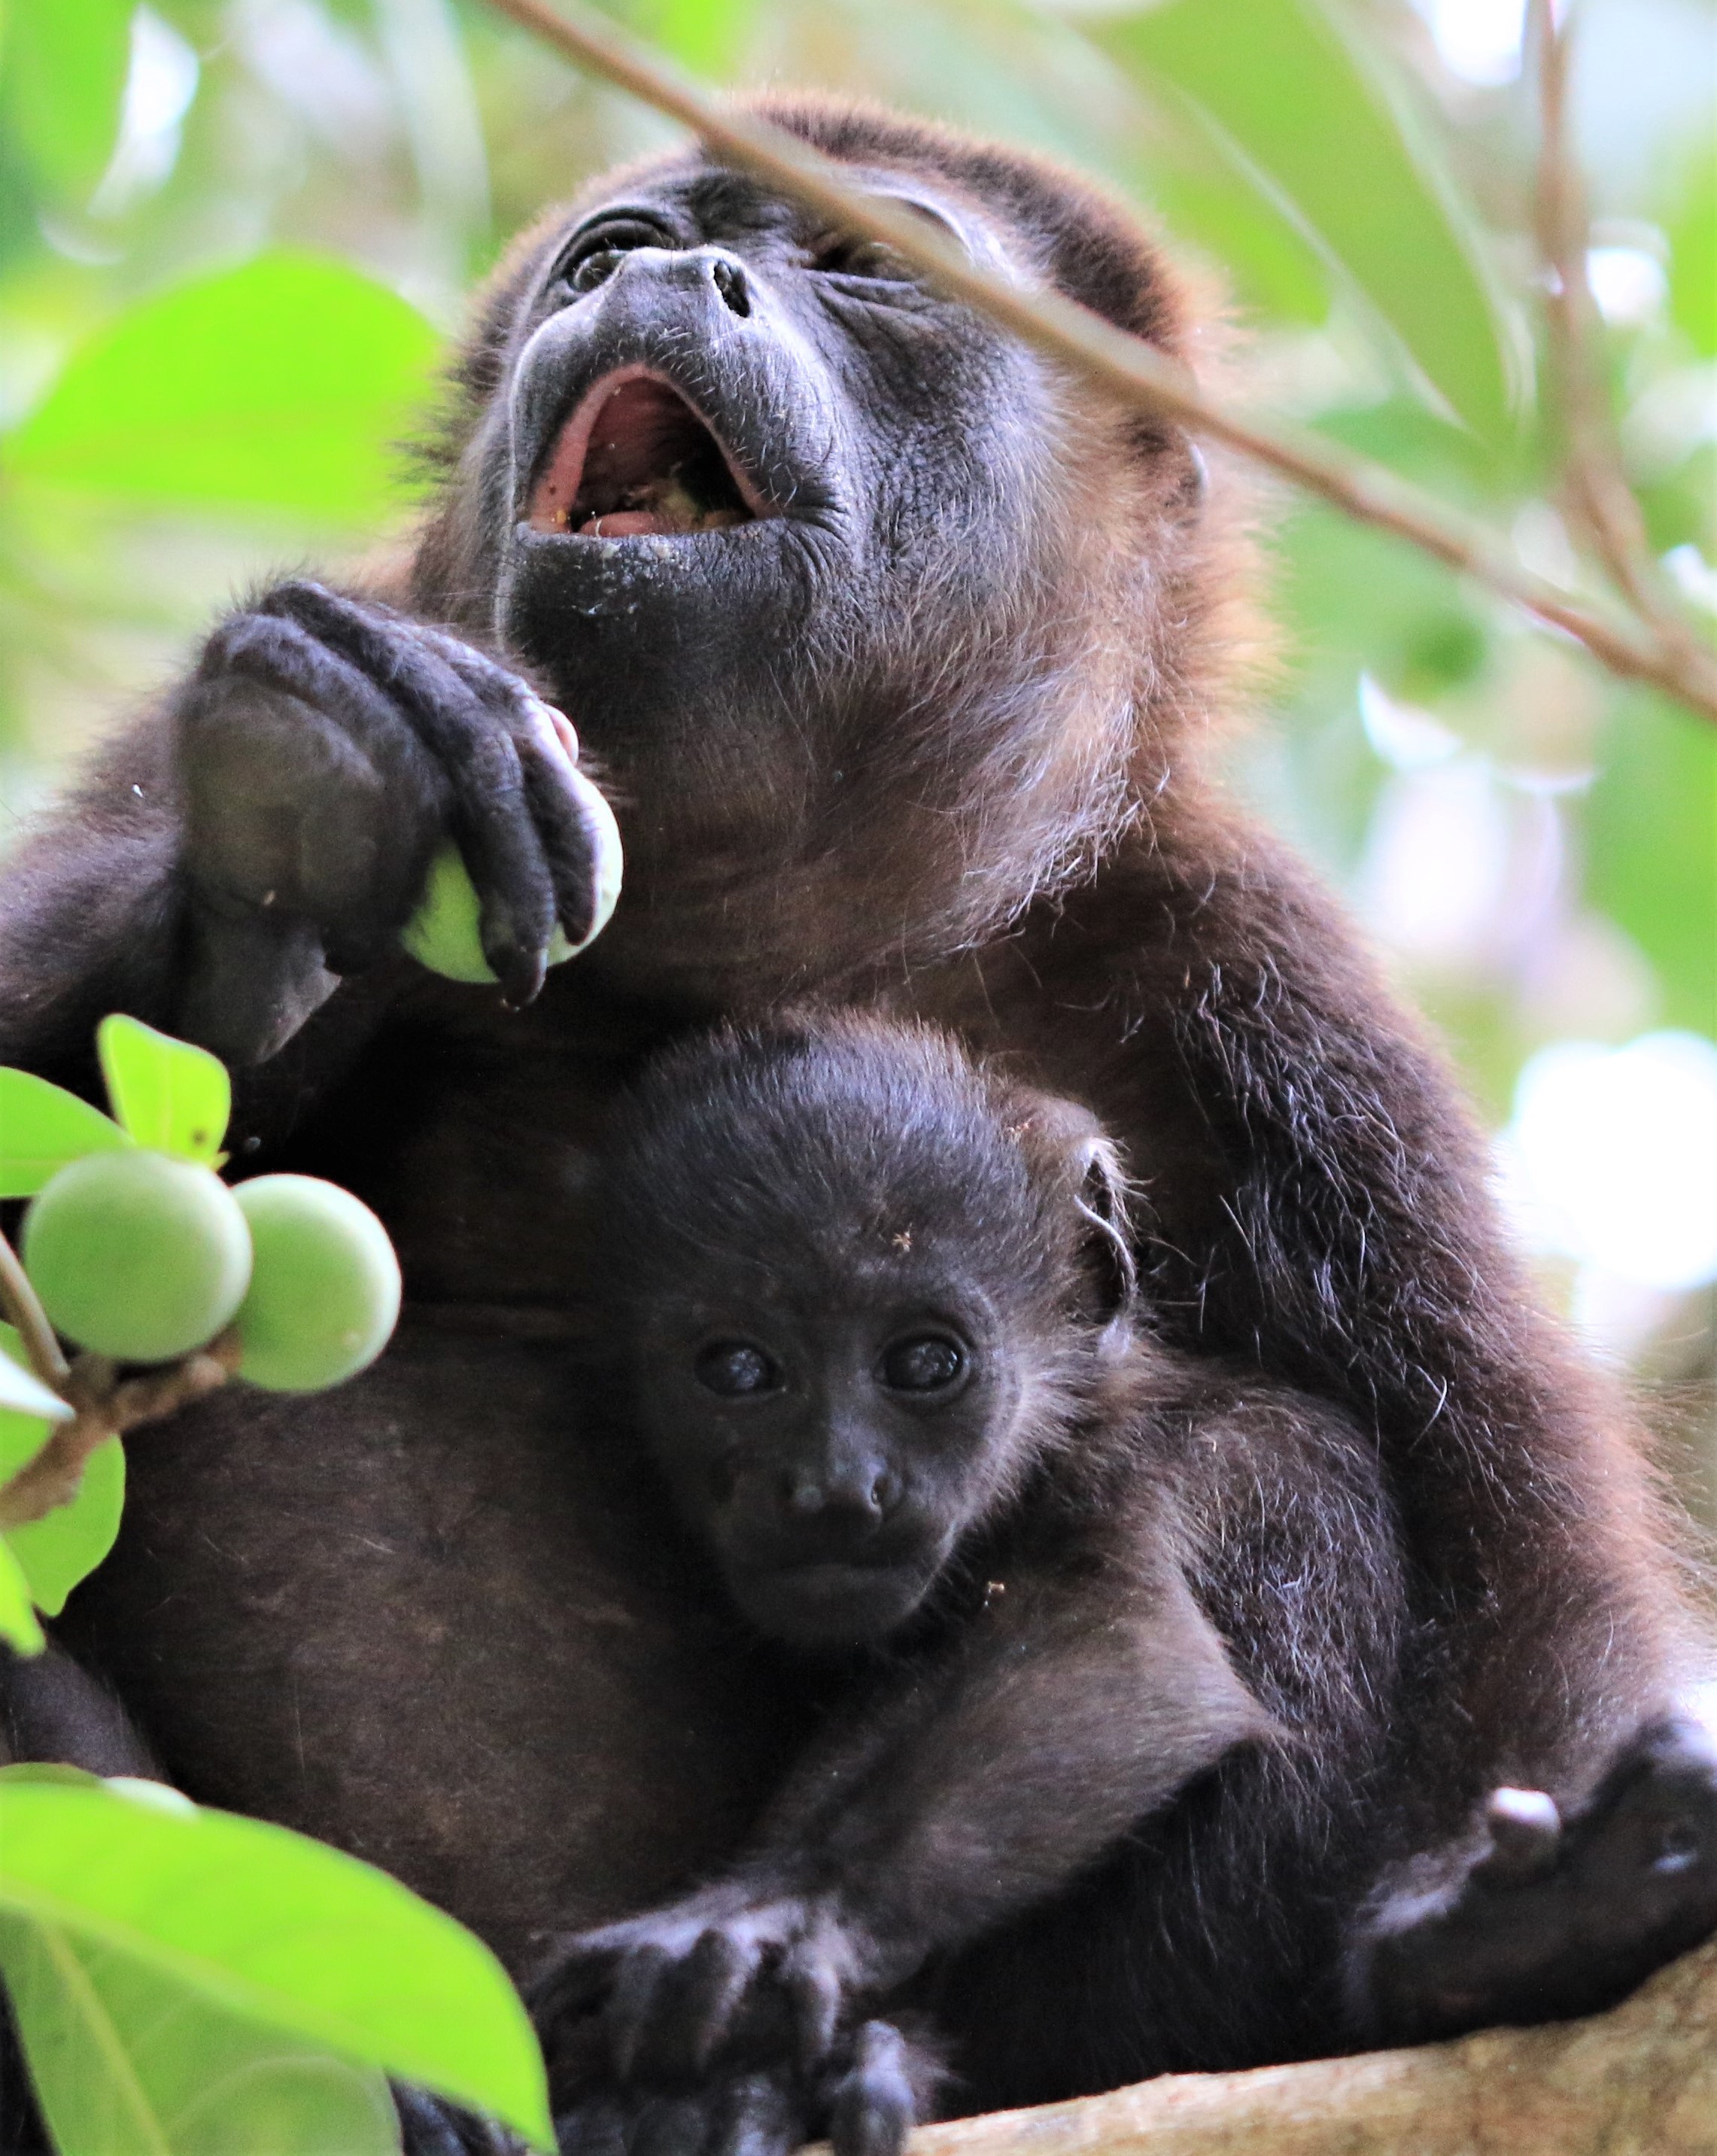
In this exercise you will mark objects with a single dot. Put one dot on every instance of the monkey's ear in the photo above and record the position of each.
(1101, 1199)
(1073, 1153)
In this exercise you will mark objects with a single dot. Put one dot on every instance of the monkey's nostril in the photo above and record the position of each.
(804, 1498)
(728, 280)
(885, 1493)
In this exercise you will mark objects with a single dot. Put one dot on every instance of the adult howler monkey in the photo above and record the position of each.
(894, 644)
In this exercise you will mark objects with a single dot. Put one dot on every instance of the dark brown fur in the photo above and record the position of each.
(932, 749)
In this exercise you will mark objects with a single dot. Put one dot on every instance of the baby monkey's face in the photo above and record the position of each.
(831, 1438)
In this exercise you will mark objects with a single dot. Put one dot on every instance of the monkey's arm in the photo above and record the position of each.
(1075, 1704)
(268, 832)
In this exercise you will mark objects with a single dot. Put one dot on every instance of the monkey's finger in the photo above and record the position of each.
(574, 1982)
(872, 2107)
(430, 2127)
(710, 1984)
(633, 2002)
(756, 2115)
(1525, 1837)
(815, 1996)
(595, 2128)
(669, 2126)
(580, 840)
(475, 750)
(576, 832)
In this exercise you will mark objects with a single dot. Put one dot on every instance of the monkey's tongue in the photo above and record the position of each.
(635, 459)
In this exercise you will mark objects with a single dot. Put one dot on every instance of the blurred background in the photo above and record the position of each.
(235, 233)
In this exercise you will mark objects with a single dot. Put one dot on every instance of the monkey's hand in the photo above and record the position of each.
(325, 747)
(865, 2098)
(1552, 1917)
(732, 1971)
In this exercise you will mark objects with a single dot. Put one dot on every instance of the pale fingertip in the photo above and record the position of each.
(554, 730)
(608, 868)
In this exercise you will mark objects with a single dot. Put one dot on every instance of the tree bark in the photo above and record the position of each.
(1640, 2081)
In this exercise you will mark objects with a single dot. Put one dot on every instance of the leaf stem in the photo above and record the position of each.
(1633, 643)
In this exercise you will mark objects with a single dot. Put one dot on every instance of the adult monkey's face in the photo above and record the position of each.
(848, 590)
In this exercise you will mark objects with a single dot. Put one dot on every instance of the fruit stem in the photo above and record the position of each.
(108, 1408)
(18, 1300)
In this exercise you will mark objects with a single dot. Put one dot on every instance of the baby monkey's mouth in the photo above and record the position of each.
(634, 458)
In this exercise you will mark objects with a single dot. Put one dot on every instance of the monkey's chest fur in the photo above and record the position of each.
(431, 1618)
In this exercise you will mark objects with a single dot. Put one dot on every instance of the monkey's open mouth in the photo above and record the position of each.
(634, 458)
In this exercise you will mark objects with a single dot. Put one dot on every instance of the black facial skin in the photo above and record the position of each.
(830, 1491)
(843, 1292)
(925, 739)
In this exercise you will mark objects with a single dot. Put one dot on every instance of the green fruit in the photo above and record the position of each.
(443, 933)
(137, 1255)
(325, 1288)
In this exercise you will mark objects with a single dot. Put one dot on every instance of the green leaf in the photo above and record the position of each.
(62, 70)
(261, 1922)
(277, 386)
(1650, 830)
(1692, 260)
(23, 1395)
(707, 36)
(166, 1093)
(1306, 115)
(18, 1621)
(123, 2058)
(23, 1430)
(57, 1552)
(43, 1127)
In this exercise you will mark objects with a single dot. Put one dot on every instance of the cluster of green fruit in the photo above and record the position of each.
(138, 1251)
(142, 1257)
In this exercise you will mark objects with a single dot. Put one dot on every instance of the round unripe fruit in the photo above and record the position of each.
(137, 1255)
(324, 1289)
(444, 935)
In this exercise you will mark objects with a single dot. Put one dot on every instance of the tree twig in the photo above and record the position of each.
(1126, 366)
(1598, 495)
(107, 1407)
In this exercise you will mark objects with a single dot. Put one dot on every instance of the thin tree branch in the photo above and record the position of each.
(106, 1404)
(1598, 495)
(19, 1299)
(1124, 365)
(108, 1407)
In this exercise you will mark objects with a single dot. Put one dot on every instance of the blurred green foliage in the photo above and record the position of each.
(188, 1983)
(232, 231)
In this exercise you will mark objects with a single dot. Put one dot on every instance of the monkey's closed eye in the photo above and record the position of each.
(732, 1368)
(872, 258)
(926, 1362)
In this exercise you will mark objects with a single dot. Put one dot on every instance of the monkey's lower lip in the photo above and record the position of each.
(634, 459)
(833, 1602)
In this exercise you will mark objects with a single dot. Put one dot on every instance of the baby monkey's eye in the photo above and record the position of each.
(734, 1366)
(926, 1362)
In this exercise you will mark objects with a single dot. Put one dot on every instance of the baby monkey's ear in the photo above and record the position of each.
(1073, 1159)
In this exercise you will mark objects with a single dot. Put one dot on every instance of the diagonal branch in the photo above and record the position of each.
(1126, 366)
(1598, 495)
